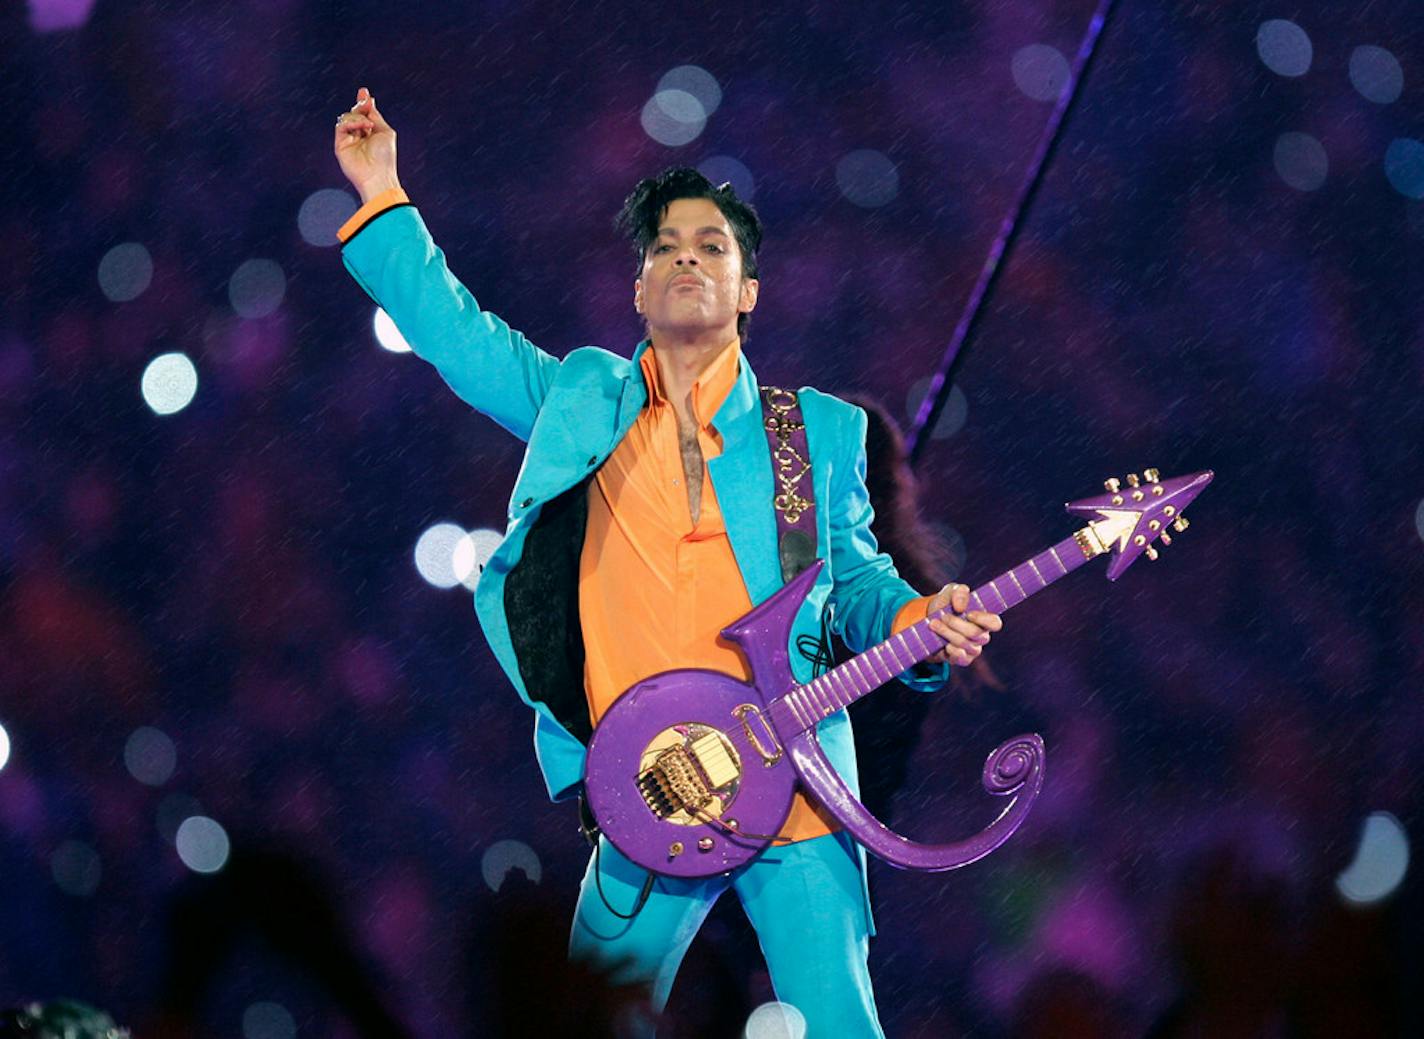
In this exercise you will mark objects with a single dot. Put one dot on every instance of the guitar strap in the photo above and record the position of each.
(793, 492)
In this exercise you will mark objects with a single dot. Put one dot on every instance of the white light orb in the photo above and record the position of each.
(674, 118)
(502, 857)
(169, 383)
(1404, 166)
(125, 272)
(471, 554)
(697, 81)
(1040, 71)
(5, 736)
(1418, 525)
(322, 214)
(267, 1020)
(257, 288)
(1381, 860)
(1284, 47)
(1301, 161)
(387, 334)
(76, 869)
(776, 1021)
(1376, 74)
(868, 178)
(202, 844)
(150, 756)
(951, 417)
(435, 554)
(723, 169)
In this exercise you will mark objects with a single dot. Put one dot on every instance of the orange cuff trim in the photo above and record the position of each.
(912, 612)
(388, 199)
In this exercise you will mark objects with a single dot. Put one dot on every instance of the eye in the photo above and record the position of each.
(661, 248)
(715, 248)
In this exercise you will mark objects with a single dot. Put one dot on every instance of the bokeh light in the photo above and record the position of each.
(125, 271)
(76, 869)
(5, 736)
(150, 756)
(1301, 161)
(723, 169)
(1381, 860)
(471, 554)
(1418, 526)
(1284, 47)
(435, 554)
(257, 288)
(1404, 166)
(951, 417)
(674, 118)
(169, 383)
(322, 214)
(776, 1021)
(697, 81)
(387, 334)
(868, 178)
(202, 844)
(267, 1020)
(59, 15)
(1040, 71)
(1376, 74)
(502, 857)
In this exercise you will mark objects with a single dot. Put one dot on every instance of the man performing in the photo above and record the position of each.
(640, 525)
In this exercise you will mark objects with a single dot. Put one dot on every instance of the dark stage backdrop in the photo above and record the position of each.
(259, 773)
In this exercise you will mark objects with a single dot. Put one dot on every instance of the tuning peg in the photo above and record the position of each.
(1151, 475)
(1132, 480)
(1180, 524)
(1166, 538)
(1113, 485)
(1150, 552)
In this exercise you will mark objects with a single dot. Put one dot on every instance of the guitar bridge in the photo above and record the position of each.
(686, 778)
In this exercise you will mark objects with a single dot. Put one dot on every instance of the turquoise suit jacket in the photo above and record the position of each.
(573, 412)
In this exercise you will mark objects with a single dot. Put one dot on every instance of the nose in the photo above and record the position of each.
(686, 257)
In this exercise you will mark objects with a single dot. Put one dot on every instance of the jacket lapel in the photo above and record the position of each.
(741, 478)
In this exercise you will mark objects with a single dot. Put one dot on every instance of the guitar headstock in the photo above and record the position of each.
(1137, 511)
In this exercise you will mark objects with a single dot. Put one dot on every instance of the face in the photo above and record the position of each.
(692, 273)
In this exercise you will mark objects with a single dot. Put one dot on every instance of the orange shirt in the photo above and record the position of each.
(655, 589)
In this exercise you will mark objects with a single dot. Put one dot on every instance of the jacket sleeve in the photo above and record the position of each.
(871, 600)
(493, 368)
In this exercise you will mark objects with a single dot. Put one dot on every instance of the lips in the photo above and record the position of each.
(685, 279)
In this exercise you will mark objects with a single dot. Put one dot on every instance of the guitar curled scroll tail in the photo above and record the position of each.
(690, 773)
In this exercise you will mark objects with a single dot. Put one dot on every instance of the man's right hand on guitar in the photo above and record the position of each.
(365, 147)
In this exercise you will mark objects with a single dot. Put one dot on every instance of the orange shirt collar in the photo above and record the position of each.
(710, 390)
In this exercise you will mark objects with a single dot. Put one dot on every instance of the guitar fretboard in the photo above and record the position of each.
(804, 706)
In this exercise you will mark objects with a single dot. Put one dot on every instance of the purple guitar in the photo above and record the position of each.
(691, 772)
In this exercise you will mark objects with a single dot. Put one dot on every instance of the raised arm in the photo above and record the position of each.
(390, 253)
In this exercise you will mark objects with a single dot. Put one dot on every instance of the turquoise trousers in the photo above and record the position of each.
(804, 901)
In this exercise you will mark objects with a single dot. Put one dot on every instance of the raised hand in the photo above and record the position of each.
(365, 147)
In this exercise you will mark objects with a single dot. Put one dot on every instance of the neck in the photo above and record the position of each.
(681, 360)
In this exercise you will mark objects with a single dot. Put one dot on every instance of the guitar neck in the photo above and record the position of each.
(844, 684)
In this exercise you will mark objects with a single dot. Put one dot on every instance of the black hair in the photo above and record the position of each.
(644, 208)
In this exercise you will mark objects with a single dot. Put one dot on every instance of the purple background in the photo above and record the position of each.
(239, 574)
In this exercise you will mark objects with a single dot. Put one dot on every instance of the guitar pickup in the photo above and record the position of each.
(684, 778)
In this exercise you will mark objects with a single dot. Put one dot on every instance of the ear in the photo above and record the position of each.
(638, 295)
(747, 301)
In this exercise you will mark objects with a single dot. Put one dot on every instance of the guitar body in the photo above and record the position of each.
(689, 716)
(702, 738)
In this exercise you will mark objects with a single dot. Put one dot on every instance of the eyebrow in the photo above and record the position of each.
(672, 232)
